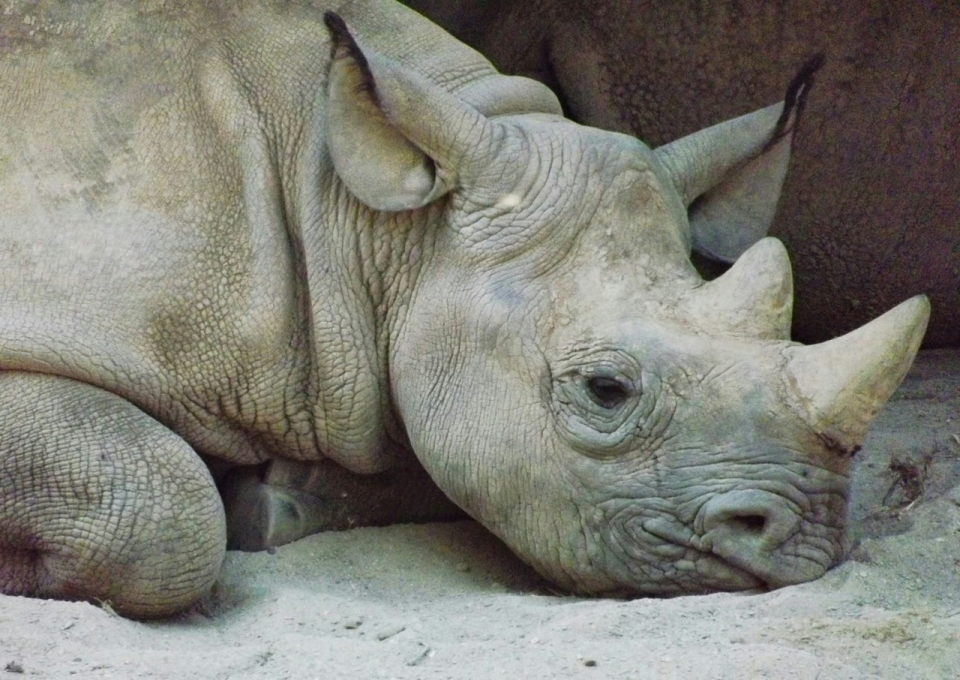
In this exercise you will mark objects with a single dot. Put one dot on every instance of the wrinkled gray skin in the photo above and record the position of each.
(220, 237)
(870, 212)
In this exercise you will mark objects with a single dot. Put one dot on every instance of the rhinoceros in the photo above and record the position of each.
(328, 233)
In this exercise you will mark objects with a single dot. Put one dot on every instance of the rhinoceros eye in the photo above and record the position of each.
(607, 392)
(598, 399)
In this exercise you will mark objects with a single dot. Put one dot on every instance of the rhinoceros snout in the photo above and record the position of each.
(753, 529)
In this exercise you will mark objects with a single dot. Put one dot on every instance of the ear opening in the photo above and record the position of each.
(731, 175)
(380, 165)
(736, 213)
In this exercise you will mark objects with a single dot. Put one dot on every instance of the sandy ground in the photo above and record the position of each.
(448, 601)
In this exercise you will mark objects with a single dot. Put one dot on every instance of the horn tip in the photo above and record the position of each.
(914, 312)
(921, 303)
(844, 382)
(774, 246)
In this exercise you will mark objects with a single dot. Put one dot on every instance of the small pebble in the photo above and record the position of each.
(389, 632)
(421, 657)
(353, 624)
(13, 667)
(589, 663)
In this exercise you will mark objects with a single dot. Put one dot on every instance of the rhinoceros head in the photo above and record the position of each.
(563, 372)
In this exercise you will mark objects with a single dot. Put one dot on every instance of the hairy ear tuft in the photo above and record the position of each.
(796, 100)
(378, 163)
(730, 175)
(343, 46)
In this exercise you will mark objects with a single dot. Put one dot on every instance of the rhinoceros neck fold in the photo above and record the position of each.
(356, 271)
(343, 256)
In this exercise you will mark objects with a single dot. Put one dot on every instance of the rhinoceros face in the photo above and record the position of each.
(694, 475)
(567, 378)
(623, 426)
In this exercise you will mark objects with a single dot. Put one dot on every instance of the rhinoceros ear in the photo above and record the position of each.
(376, 161)
(730, 175)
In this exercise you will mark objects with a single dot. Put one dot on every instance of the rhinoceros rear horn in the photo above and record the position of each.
(397, 141)
(754, 298)
(730, 175)
(843, 383)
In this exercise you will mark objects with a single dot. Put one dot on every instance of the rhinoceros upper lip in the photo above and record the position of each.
(668, 530)
(678, 534)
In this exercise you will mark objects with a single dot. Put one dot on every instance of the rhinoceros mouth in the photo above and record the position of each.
(738, 540)
(718, 573)
(697, 568)
(734, 558)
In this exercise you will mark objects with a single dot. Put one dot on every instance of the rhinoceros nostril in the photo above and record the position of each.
(749, 524)
(756, 518)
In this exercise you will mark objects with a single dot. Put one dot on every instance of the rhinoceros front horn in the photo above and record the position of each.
(843, 383)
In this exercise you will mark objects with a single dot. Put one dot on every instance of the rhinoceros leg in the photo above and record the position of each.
(260, 516)
(285, 500)
(100, 502)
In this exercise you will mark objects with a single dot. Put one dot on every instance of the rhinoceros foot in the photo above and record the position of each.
(277, 503)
